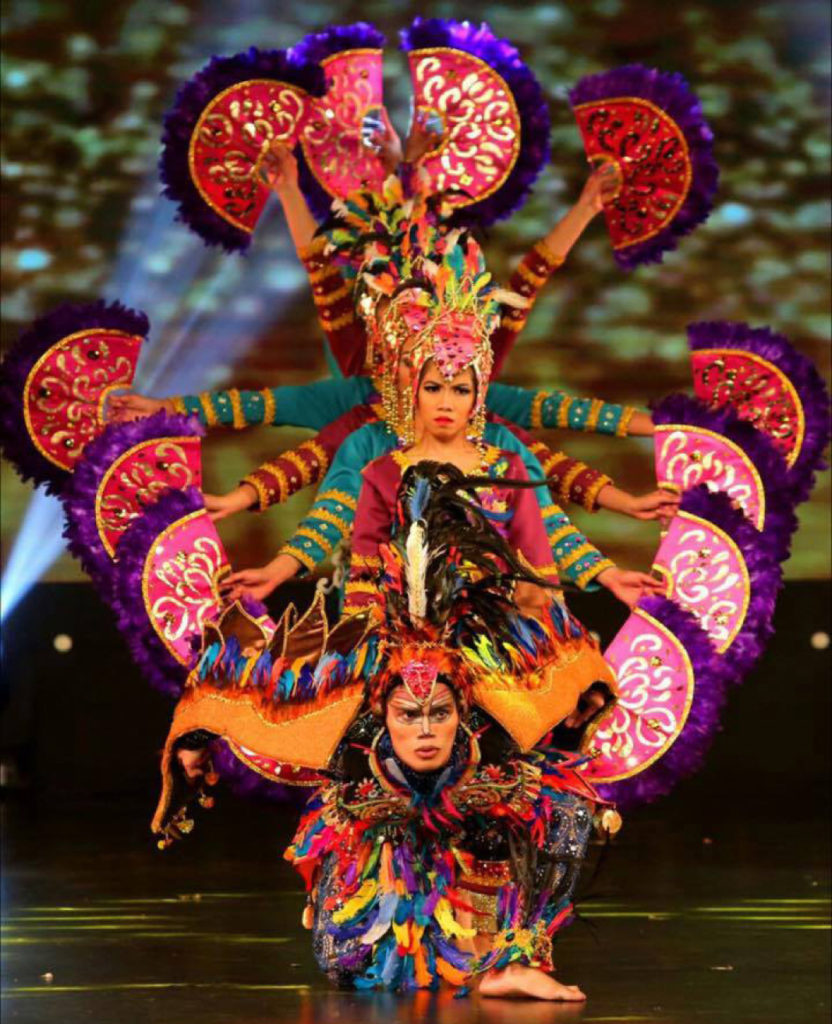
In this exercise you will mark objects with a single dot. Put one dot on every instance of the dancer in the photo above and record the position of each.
(448, 294)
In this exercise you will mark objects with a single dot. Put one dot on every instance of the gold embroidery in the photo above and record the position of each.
(341, 496)
(555, 460)
(365, 561)
(594, 570)
(537, 409)
(276, 471)
(593, 491)
(526, 272)
(575, 556)
(269, 406)
(624, 422)
(178, 404)
(330, 298)
(340, 321)
(262, 493)
(329, 517)
(238, 419)
(563, 412)
(545, 253)
(560, 533)
(300, 465)
(565, 485)
(304, 559)
(208, 410)
(318, 452)
(318, 538)
(595, 407)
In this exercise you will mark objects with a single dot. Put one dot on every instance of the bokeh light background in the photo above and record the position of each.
(85, 87)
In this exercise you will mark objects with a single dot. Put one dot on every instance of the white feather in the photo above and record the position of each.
(416, 551)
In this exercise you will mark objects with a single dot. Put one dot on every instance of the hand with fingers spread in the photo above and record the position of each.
(259, 583)
(630, 586)
(129, 406)
(220, 506)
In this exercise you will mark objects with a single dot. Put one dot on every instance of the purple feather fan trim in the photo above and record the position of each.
(672, 94)
(686, 755)
(245, 782)
(764, 572)
(79, 495)
(531, 104)
(156, 663)
(780, 521)
(808, 383)
(314, 48)
(34, 342)
(180, 121)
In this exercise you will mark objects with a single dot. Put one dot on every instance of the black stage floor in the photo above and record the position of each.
(708, 914)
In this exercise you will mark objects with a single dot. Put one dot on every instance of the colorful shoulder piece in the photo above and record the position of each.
(650, 125)
(282, 713)
(122, 473)
(770, 384)
(217, 131)
(494, 116)
(54, 383)
(334, 161)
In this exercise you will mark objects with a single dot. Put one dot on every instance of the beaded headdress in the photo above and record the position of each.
(423, 291)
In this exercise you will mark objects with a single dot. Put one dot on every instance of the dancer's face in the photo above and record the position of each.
(422, 735)
(444, 407)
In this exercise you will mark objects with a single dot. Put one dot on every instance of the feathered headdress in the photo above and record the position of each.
(421, 287)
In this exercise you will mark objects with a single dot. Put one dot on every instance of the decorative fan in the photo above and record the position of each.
(493, 115)
(54, 383)
(671, 688)
(218, 130)
(650, 125)
(335, 159)
(165, 586)
(721, 569)
(695, 445)
(770, 384)
(122, 473)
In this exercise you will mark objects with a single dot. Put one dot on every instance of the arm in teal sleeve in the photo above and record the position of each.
(576, 558)
(532, 409)
(333, 512)
(293, 405)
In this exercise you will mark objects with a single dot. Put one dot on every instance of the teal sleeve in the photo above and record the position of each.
(532, 409)
(577, 560)
(294, 405)
(332, 514)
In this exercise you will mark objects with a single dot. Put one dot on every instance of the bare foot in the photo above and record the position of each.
(520, 982)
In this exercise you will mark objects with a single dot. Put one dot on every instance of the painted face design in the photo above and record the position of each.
(422, 732)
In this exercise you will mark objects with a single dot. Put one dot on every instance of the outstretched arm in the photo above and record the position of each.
(538, 265)
(328, 521)
(295, 405)
(536, 409)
